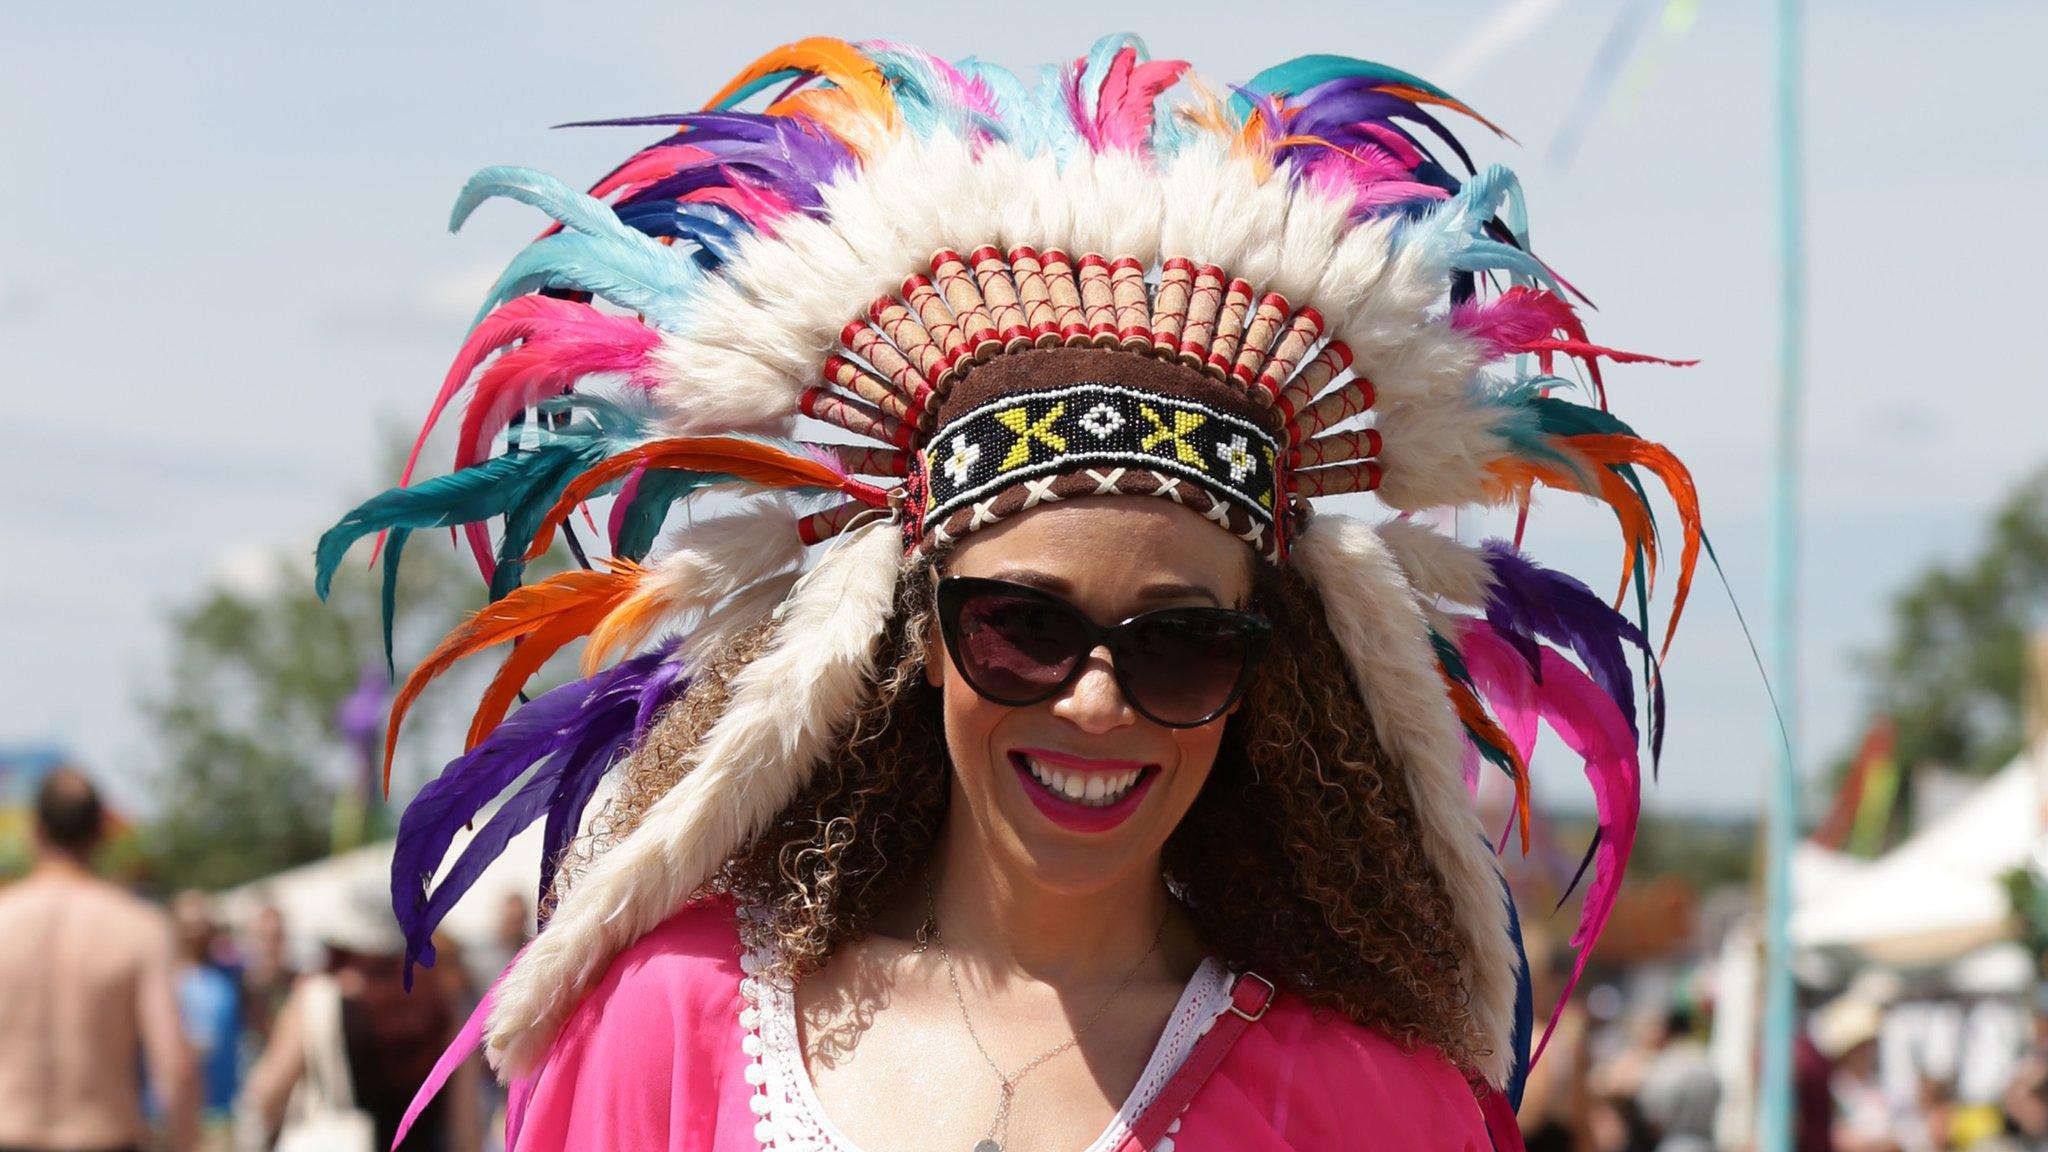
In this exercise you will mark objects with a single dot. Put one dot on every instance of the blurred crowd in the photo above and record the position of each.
(125, 1026)
(1874, 1071)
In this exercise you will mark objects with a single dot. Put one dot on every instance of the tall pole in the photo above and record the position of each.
(1774, 1111)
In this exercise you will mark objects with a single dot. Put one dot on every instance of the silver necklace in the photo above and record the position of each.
(999, 1125)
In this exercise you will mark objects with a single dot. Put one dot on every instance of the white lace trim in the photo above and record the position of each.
(789, 1117)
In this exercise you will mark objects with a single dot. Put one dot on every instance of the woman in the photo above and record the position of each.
(1030, 815)
(349, 1040)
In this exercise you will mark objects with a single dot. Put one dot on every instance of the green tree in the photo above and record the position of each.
(1952, 674)
(246, 713)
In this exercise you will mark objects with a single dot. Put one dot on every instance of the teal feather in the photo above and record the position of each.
(568, 207)
(394, 543)
(1557, 417)
(929, 101)
(641, 276)
(1022, 118)
(741, 94)
(1305, 72)
(658, 491)
(1494, 256)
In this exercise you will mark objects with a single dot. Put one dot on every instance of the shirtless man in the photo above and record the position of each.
(85, 987)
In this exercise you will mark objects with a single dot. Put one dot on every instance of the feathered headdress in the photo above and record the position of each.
(1001, 295)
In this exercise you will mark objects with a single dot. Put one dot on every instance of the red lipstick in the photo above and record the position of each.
(1073, 816)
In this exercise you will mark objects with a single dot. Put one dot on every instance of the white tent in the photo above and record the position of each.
(1937, 896)
(306, 895)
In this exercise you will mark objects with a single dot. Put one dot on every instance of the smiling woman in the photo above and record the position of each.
(1031, 815)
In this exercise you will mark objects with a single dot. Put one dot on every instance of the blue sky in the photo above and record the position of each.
(224, 277)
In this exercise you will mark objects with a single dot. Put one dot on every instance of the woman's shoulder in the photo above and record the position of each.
(1319, 1079)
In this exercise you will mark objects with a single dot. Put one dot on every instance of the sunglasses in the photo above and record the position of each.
(1018, 646)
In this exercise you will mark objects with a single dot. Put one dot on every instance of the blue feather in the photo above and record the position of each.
(641, 276)
(1305, 72)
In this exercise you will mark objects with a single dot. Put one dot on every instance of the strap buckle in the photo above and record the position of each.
(1261, 998)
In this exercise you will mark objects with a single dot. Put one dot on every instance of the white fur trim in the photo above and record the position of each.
(1437, 565)
(712, 558)
(1374, 614)
(786, 707)
(757, 334)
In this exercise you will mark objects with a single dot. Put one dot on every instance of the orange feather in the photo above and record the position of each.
(1513, 480)
(826, 58)
(1610, 448)
(750, 460)
(1475, 717)
(581, 596)
(530, 652)
(1421, 97)
(629, 622)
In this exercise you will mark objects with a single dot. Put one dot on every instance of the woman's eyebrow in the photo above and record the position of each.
(1032, 578)
(1155, 591)
(1174, 590)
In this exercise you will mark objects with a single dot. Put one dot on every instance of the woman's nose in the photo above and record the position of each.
(1094, 702)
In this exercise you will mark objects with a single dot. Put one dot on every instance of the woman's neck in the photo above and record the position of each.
(1005, 923)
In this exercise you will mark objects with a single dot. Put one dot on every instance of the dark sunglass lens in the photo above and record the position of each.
(1181, 669)
(1016, 648)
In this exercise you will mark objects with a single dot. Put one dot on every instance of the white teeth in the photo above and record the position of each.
(1094, 791)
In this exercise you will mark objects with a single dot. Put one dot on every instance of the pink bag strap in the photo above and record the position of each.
(1250, 995)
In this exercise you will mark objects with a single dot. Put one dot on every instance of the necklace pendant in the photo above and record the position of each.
(988, 1146)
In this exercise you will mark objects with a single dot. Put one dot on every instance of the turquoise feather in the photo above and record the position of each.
(741, 94)
(568, 207)
(1305, 72)
(641, 276)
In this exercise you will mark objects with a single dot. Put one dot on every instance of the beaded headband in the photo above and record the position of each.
(1236, 416)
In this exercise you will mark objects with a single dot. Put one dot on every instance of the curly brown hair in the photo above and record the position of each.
(1301, 859)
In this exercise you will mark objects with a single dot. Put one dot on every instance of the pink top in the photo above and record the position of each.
(652, 1062)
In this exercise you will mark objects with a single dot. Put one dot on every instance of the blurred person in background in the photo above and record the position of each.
(1846, 1031)
(388, 1040)
(1679, 1093)
(1812, 1094)
(1553, 1112)
(2026, 1097)
(267, 976)
(210, 1005)
(87, 997)
(514, 928)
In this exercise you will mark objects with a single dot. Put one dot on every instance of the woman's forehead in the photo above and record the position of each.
(1111, 544)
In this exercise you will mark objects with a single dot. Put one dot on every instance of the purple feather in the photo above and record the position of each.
(1333, 107)
(568, 737)
(785, 154)
(1530, 602)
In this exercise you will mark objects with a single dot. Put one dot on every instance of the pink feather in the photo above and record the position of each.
(1407, 153)
(1370, 177)
(1590, 724)
(1508, 322)
(657, 163)
(560, 342)
(1124, 106)
(646, 167)
(759, 206)
(617, 519)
